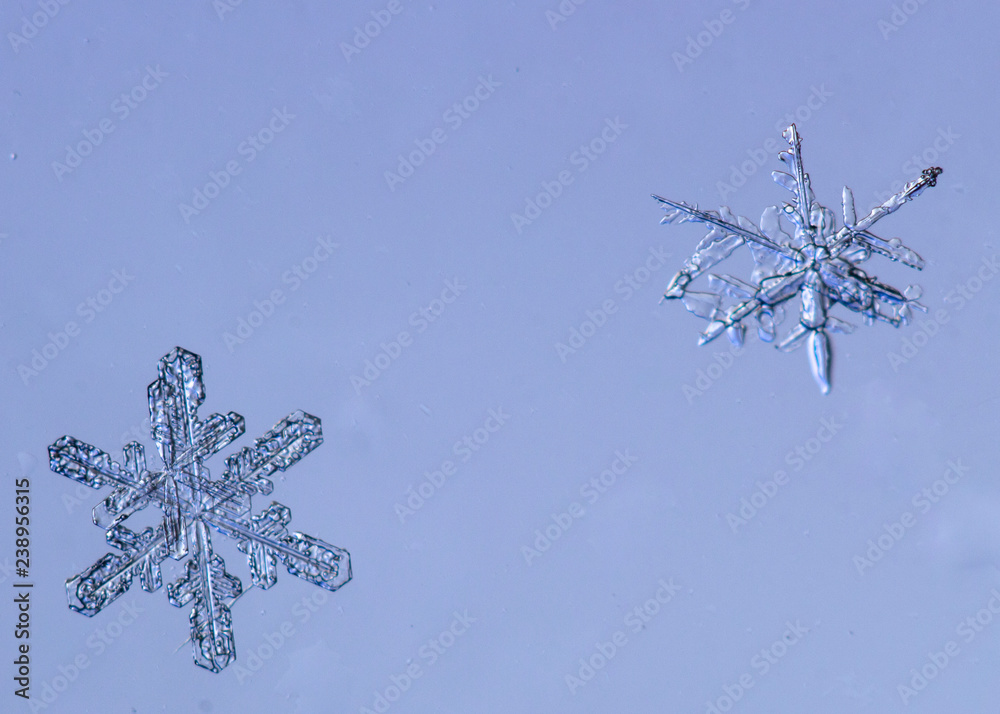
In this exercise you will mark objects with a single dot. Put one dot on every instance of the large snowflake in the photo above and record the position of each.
(193, 504)
(816, 262)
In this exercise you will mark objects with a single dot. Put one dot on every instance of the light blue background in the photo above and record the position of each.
(893, 90)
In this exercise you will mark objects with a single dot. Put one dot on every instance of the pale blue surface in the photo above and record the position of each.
(446, 232)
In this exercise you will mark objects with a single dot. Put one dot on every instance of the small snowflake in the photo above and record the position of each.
(816, 262)
(194, 504)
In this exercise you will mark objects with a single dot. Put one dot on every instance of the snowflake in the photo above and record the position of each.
(192, 504)
(817, 262)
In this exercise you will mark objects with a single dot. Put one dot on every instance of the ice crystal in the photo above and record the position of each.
(193, 504)
(816, 262)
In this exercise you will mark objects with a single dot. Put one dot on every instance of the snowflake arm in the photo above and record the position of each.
(174, 399)
(207, 583)
(857, 233)
(745, 229)
(777, 291)
(798, 181)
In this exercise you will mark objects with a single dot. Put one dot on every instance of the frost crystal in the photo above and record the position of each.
(192, 504)
(816, 262)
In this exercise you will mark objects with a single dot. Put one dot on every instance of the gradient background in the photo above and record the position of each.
(882, 90)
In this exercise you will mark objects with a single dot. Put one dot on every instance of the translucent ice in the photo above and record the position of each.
(814, 261)
(193, 504)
